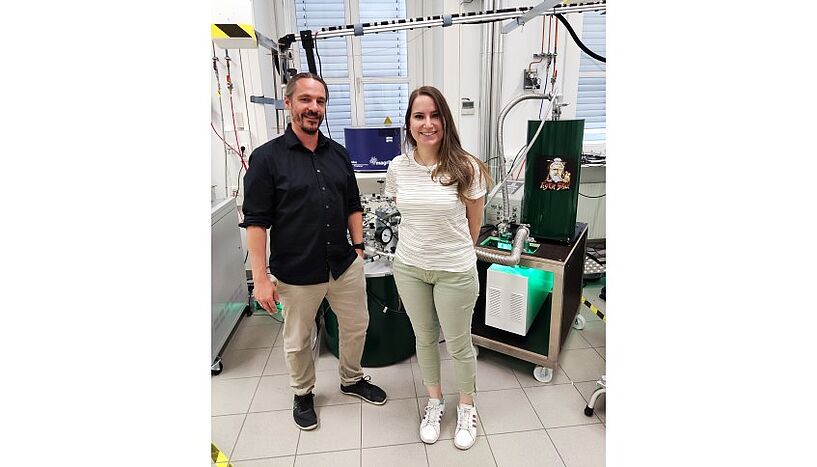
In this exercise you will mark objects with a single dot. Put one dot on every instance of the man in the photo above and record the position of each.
(302, 188)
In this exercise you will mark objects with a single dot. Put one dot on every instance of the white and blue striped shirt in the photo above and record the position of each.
(434, 232)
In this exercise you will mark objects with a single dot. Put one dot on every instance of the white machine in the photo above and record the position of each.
(516, 190)
(514, 295)
(228, 281)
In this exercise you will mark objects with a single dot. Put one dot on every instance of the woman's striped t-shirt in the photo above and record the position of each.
(433, 232)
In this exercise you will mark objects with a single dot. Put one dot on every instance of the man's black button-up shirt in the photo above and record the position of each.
(305, 199)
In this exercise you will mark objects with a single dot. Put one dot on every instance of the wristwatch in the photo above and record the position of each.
(359, 246)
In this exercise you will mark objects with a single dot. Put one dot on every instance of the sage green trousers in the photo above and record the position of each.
(441, 299)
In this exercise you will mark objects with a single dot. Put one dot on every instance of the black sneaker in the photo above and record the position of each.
(366, 391)
(303, 411)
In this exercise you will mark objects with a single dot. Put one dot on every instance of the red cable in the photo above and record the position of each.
(520, 169)
(232, 112)
(555, 49)
(228, 145)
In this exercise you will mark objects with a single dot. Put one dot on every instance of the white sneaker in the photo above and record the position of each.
(430, 426)
(466, 432)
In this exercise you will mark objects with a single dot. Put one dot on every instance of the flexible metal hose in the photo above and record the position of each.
(372, 251)
(506, 208)
(516, 252)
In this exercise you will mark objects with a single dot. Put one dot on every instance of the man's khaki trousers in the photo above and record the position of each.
(347, 297)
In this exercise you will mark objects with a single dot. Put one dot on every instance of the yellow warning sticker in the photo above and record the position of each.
(219, 457)
(593, 308)
(232, 31)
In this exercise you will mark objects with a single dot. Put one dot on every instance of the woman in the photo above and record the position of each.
(439, 189)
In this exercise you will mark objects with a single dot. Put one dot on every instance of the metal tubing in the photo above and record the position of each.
(414, 23)
(485, 114)
(501, 148)
(516, 252)
(371, 251)
(595, 396)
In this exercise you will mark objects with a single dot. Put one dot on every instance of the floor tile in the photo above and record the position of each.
(575, 340)
(231, 396)
(522, 370)
(404, 455)
(602, 351)
(395, 422)
(449, 421)
(258, 318)
(449, 385)
(591, 293)
(286, 461)
(582, 364)
(273, 393)
(445, 454)
(338, 429)
(494, 374)
(335, 459)
(589, 316)
(524, 449)
(243, 363)
(327, 389)
(595, 333)
(254, 337)
(224, 432)
(267, 434)
(593, 297)
(559, 405)
(526, 379)
(506, 411)
(326, 361)
(277, 364)
(580, 446)
(396, 380)
(586, 390)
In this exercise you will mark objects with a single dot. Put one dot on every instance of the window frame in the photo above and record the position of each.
(355, 79)
(571, 66)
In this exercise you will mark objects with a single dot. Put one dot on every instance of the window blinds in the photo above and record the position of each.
(591, 97)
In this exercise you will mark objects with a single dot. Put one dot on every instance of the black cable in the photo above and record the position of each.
(246, 108)
(382, 302)
(513, 163)
(238, 182)
(578, 41)
(265, 313)
(274, 56)
(592, 197)
(320, 73)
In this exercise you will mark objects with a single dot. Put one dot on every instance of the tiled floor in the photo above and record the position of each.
(522, 421)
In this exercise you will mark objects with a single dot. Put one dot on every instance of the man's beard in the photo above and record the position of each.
(302, 124)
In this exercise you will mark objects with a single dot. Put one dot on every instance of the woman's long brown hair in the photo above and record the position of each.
(453, 162)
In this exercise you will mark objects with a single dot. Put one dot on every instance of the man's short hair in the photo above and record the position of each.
(290, 89)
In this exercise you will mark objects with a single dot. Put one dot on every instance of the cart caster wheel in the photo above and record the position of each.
(588, 411)
(216, 367)
(476, 351)
(247, 310)
(542, 374)
(579, 322)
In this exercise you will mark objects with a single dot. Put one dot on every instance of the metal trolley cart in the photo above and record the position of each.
(549, 329)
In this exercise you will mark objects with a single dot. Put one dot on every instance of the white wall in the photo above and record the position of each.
(250, 119)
